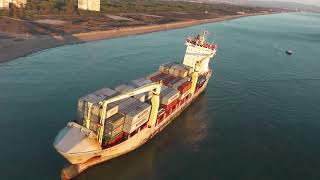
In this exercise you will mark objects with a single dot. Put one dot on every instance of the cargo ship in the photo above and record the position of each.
(113, 122)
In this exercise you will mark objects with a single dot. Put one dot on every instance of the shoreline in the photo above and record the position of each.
(29, 45)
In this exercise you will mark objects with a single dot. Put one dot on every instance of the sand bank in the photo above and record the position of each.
(12, 48)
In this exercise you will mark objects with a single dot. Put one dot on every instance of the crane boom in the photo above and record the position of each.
(139, 90)
(155, 100)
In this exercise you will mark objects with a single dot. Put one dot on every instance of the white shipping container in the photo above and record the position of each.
(125, 102)
(176, 72)
(130, 107)
(83, 109)
(183, 73)
(171, 70)
(138, 113)
(170, 97)
(188, 68)
(111, 109)
(129, 128)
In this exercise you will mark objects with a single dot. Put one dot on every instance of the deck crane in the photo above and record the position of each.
(155, 101)
(195, 73)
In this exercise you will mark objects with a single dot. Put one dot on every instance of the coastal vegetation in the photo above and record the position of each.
(36, 8)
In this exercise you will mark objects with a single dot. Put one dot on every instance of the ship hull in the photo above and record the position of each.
(133, 142)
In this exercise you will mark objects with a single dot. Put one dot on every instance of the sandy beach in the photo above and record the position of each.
(23, 45)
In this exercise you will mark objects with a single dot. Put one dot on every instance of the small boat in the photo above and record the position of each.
(289, 52)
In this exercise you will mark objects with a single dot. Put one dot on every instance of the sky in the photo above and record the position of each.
(317, 2)
(313, 2)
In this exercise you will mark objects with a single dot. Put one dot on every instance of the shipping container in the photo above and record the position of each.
(170, 96)
(168, 80)
(182, 96)
(139, 83)
(129, 108)
(152, 75)
(161, 115)
(129, 128)
(183, 73)
(112, 133)
(177, 84)
(188, 68)
(171, 105)
(165, 67)
(138, 113)
(125, 102)
(115, 140)
(170, 84)
(114, 121)
(184, 87)
(95, 109)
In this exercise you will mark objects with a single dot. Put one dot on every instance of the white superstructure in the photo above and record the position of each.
(91, 5)
(6, 3)
(197, 48)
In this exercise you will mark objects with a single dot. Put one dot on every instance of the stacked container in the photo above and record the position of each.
(180, 82)
(139, 83)
(164, 78)
(175, 69)
(136, 117)
(153, 74)
(169, 98)
(95, 98)
(185, 89)
(126, 88)
(113, 126)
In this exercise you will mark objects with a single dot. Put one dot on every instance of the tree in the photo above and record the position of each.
(70, 7)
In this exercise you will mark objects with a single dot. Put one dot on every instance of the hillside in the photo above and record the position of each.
(41, 17)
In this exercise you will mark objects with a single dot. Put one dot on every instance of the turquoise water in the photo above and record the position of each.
(259, 118)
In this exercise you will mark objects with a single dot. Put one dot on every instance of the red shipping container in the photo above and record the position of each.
(184, 87)
(160, 118)
(169, 106)
(158, 77)
(168, 80)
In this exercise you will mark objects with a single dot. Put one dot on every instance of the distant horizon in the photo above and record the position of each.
(311, 2)
(306, 2)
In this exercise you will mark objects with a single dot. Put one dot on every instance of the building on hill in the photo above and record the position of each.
(91, 5)
(6, 3)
